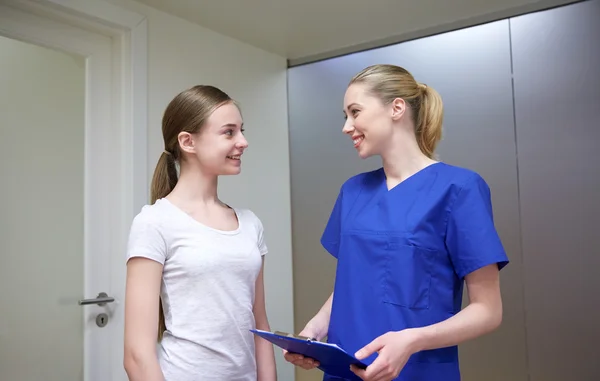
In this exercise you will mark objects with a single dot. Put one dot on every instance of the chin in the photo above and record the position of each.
(231, 171)
(364, 154)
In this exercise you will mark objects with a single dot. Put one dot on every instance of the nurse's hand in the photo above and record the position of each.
(393, 351)
(299, 360)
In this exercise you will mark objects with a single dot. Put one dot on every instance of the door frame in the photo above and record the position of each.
(41, 22)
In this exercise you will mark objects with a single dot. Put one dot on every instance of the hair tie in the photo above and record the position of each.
(167, 153)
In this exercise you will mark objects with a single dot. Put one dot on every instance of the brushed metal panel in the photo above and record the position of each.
(471, 70)
(556, 58)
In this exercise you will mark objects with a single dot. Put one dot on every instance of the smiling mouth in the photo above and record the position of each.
(234, 157)
(357, 140)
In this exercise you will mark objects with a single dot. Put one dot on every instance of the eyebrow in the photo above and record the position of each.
(348, 107)
(232, 125)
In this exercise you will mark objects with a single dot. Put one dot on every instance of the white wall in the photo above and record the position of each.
(182, 54)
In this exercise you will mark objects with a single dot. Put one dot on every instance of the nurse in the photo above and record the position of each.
(406, 237)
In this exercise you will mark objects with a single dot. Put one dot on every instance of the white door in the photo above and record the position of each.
(61, 219)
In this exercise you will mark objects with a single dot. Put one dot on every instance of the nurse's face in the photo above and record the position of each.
(368, 121)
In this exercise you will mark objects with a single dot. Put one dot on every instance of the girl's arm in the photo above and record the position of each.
(141, 319)
(265, 356)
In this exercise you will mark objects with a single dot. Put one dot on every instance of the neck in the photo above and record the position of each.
(195, 187)
(403, 160)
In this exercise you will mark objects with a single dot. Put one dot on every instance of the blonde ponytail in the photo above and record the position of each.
(429, 120)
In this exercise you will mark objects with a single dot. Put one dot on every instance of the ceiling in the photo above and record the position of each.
(309, 30)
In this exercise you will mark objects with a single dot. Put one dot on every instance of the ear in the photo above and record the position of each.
(186, 142)
(398, 108)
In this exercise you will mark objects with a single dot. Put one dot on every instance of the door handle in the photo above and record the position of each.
(100, 300)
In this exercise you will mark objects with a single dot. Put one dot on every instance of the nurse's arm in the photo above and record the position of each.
(482, 315)
(316, 328)
(319, 324)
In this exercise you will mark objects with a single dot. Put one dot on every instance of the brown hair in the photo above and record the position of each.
(187, 112)
(389, 82)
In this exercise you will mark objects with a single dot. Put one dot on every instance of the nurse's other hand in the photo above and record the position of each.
(394, 350)
(299, 360)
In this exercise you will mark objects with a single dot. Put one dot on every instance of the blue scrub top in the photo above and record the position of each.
(402, 256)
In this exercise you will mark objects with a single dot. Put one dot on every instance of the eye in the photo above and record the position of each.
(242, 130)
(354, 112)
(229, 132)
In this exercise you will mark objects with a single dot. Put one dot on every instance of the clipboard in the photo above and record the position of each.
(332, 359)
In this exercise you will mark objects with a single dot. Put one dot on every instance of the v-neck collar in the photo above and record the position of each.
(415, 176)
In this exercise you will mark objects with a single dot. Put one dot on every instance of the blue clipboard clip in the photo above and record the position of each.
(332, 359)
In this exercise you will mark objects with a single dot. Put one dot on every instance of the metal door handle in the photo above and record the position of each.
(100, 300)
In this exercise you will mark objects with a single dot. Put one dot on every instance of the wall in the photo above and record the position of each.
(556, 58)
(182, 54)
(551, 56)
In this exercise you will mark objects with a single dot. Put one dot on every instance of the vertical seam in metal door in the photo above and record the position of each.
(512, 79)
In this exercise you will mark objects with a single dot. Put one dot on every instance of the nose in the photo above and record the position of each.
(242, 143)
(348, 127)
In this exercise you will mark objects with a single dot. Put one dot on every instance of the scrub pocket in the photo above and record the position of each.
(407, 276)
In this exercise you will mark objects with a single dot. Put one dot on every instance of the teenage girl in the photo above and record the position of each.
(195, 264)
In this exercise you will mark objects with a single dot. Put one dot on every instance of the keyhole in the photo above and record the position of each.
(101, 320)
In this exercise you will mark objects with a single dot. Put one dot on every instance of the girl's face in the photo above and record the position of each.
(220, 143)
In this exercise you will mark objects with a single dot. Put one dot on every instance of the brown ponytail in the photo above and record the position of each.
(164, 178)
(389, 82)
(163, 182)
(187, 112)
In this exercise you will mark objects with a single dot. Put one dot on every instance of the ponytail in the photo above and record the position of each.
(163, 182)
(429, 120)
(164, 178)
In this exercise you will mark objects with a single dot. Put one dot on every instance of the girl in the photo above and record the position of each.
(195, 264)
(406, 236)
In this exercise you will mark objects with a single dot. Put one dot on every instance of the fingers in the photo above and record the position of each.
(379, 370)
(301, 361)
(369, 349)
(359, 372)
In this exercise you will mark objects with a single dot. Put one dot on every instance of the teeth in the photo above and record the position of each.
(234, 157)
(358, 140)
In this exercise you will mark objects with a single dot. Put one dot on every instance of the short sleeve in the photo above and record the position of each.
(145, 240)
(471, 237)
(262, 244)
(330, 240)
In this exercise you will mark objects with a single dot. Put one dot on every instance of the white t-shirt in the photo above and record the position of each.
(207, 291)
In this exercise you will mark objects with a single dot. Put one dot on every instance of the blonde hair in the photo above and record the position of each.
(388, 82)
(187, 112)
